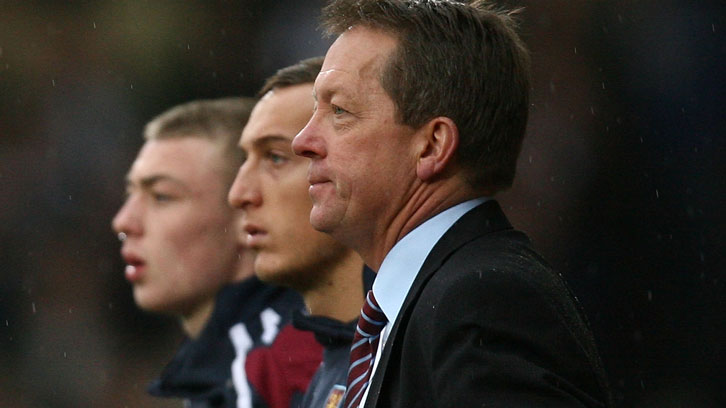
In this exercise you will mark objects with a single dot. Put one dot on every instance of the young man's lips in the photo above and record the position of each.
(135, 266)
(254, 235)
(134, 273)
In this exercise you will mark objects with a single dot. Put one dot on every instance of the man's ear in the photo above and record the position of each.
(440, 139)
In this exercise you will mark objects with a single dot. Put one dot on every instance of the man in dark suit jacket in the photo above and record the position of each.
(421, 107)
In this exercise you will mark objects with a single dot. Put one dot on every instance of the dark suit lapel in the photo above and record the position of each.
(484, 219)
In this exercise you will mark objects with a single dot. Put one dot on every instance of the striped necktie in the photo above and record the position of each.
(363, 352)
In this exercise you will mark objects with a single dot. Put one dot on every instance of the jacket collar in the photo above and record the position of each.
(200, 366)
(484, 219)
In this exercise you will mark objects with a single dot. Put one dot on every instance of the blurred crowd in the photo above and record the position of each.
(619, 183)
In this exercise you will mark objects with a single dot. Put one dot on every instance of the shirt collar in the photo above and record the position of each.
(404, 260)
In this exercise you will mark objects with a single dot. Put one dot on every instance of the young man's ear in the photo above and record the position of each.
(440, 139)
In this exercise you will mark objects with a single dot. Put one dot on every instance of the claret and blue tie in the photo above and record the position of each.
(363, 352)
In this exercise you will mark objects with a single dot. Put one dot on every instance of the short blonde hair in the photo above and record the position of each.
(219, 120)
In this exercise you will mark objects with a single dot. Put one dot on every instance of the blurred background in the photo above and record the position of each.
(620, 179)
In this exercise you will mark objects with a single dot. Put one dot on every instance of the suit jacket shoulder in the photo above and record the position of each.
(487, 321)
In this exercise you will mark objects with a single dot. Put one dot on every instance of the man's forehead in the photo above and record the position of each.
(346, 82)
(173, 159)
(334, 82)
(359, 51)
(145, 173)
(351, 87)
(276, 118)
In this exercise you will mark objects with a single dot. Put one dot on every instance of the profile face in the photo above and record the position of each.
(181, 239)
(362, 161)
(271, 189)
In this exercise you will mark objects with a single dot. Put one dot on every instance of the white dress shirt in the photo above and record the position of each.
(402, 264)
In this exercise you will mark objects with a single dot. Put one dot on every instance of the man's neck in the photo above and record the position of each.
(339, 295)
(424, 203)
(193, 323)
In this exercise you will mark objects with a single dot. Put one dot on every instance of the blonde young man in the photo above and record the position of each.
(271, 190)
(184, 255)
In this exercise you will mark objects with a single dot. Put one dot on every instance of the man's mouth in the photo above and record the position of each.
(254, 235)
(135, 266)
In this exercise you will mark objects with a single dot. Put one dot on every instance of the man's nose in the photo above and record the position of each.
(308, 143)
(243, 192)
(127, 221)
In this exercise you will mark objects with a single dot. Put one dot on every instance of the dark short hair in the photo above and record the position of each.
(219, 120)
(463, 61)
(303, 72)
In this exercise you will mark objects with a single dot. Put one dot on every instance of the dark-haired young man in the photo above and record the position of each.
(185, 257)
(421, 107)
(271, 189)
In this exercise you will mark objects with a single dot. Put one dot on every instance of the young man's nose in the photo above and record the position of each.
(126, 220)
(243, 192)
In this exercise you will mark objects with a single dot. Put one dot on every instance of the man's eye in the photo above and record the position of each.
(276, 158)
(159, 197)
(337, 110)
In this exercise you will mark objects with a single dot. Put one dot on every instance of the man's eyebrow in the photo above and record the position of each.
(149, 181)
(270, 139)
(339, 91)
(331, 87)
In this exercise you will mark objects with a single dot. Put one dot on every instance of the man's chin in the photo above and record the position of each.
(279, 275)
(321, 221)
(149, 303)
(270, 274)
